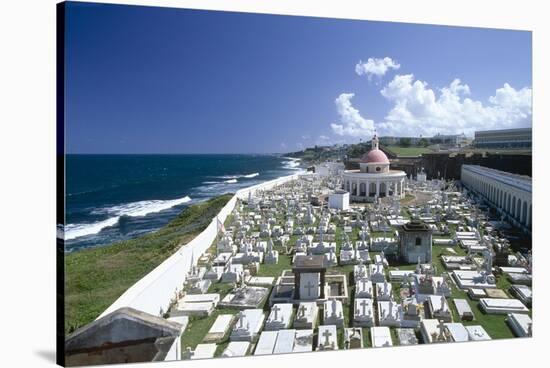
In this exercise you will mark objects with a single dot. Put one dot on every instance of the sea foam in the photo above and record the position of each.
(133, 209)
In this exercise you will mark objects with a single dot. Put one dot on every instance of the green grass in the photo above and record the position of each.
(408, 151)
(95, 278)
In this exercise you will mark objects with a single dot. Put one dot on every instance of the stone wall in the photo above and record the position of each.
(152, 294)
(448, 166)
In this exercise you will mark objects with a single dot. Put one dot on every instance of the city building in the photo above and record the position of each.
(453, 140)
(374, 179)
(506, 138)
(510, 193)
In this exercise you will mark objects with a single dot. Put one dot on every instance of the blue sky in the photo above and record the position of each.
(160, 80)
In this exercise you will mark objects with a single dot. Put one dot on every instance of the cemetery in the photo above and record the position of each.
(288, 273)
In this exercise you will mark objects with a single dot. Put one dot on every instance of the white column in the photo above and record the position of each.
(367, 188)
(387, 189)
(377, 188)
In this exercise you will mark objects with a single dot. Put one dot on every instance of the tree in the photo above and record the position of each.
(423, 142)
(405, 142)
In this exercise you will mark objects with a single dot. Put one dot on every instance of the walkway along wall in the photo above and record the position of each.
(153, 292)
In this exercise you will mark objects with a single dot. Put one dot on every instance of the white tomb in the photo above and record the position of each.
(457, 331)
(279, 317)
(266, 343)
(306, 315)
(236, 349)
(381, 337)
(303, 341)
(248, 325)
(204, 351)
(502, 306)
(285, 342)
(477, 333)
(309, 285)
(333, 313)
(363, 288)
(219, 328)
(439, 308)
(360, 271)
(363, 314)
(521, 324)
(390, 314)
(327, 338)
(463, 308)
(384, 291)
(376, 272)
(353, 338)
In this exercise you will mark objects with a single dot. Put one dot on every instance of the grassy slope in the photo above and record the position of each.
(95, 278)
(408, 151)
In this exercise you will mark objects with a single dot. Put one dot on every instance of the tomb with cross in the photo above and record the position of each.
(309, 277)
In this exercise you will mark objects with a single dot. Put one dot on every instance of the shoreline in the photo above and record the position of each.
(148, 287)
(81, 236)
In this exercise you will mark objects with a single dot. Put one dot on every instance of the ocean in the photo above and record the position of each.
(117, 197)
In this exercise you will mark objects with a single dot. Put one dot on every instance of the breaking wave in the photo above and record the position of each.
(291, 163)
(133, 209)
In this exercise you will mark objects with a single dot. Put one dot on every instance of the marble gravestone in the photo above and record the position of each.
(266, 343)
(389, 314)
(309, 286)
(219, 328)
(306, 315)
(384, 291)
(381, 337)
(363, 288)
(236, 349)
(327, 338)
(363, 314)
(333, 313)
(477, 333)
(377, 272)
(353, 338)
(406, 336)
(280, 317)
(248, 325)
(303, 341)
(439, 308)
(204, 351)
(285, 342)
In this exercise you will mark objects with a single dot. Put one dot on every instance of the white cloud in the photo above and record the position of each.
(351, 122)
(376, 67)
(418, 109)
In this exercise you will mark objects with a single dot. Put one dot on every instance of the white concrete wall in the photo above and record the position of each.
(514, 201)
(154, 291)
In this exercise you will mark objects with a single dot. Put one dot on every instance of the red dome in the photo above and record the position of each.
(375, 156)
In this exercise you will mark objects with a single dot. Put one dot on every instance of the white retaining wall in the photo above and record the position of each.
(153, 292)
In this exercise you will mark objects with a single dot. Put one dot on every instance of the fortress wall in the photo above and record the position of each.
(153, 292)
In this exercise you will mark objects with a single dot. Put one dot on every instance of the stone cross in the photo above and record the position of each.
(364, 282)
(275, 310)
(241, 320)
(363, 305)
(333, 307)
(302, 311)
(441, 327)
(326, 335)
(309, 286)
